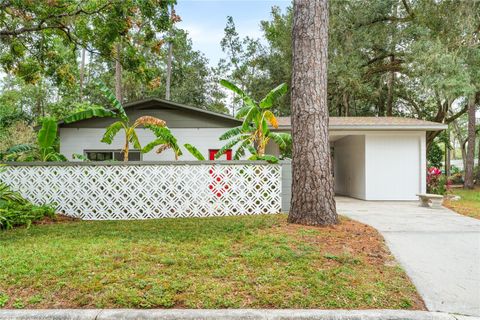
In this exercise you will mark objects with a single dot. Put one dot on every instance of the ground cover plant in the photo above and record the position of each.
(17, 211)
(221, 262)
(469, 203)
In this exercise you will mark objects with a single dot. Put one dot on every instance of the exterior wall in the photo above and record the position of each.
(395, 165)
(75, 141)
(349, 166)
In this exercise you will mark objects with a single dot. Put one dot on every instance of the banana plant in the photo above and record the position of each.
(194, 152)
(123, 124)
(164, 140)
(44, 150)
(254, 134)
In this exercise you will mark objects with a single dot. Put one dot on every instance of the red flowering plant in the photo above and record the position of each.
(437, 183)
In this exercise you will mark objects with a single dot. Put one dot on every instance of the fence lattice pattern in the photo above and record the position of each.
(116, 192)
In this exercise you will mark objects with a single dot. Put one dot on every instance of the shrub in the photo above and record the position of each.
(436, 182)
(13, 214)
(435, 156)
(456, 178)
(17, 211)
(455, 170)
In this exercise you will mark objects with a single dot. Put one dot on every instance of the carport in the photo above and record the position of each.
(377, 158)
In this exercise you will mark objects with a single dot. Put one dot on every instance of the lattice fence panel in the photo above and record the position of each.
(121, 192)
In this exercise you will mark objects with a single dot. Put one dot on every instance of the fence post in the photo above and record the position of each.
(286, 184)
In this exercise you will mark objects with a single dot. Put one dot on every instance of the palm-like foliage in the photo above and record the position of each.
(254, 134)
(123, 124)
(164, 140)
(194, 151)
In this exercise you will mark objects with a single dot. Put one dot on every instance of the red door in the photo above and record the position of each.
(213, 152)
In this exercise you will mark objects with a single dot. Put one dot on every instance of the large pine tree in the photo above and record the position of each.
(313, 201)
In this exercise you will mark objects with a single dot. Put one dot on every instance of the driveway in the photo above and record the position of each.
(439, 249)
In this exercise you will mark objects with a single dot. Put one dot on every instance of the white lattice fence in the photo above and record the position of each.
(113, 192)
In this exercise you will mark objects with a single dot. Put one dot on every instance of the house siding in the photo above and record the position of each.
(77, 140)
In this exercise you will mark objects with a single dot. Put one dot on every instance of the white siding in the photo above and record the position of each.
(395, 165)
(75, 141)
(349, 166)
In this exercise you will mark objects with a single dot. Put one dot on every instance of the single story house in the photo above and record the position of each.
(373, 158)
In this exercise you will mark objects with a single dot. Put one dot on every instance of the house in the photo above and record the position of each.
(373, 158)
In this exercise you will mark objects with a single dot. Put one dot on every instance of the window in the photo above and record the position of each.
(112, 155)
(226, 156)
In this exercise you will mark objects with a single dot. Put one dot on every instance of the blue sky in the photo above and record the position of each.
(206, 19)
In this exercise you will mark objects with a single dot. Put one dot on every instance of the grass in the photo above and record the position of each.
(468, 205)
(224, 262)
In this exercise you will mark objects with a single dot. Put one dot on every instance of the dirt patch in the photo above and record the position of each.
(58, 218)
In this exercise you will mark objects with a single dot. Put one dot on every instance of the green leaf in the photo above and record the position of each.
(228, 146)
(243, 111)
(283, 139)
(19, 148)
(89, 113)
(241, 150)
(231, 86)
(112, 131)
(273, 95)
(194, 151)
(231, 133)
(248, 119)
(48, 133)
(113, 101)
(269, 158)
(157, 142)
(133, 137)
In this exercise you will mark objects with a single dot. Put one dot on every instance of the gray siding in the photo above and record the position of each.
(175, 118)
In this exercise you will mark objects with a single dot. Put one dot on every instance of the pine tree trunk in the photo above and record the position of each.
(82, 74)
(313, 201)
(469, 163)
(118, 72)
(169, 70)
(390, 83)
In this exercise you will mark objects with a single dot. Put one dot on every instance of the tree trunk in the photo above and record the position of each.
(478, 163)
(346, 106)
(118, 72)
(390, 83)
(82, 74)
(126, 148)
(468, 184)
(313, 201)
(169, 70)
(447, 154)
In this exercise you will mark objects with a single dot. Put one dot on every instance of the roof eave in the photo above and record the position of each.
(436, 127)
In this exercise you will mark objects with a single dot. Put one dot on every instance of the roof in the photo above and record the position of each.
(336, 123)
(373, 123)
(173, 105)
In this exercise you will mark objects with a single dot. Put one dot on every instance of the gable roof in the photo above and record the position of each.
(373, 123)
(149, 102)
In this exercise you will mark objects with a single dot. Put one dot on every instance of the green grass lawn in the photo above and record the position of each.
(468, 205)
(225, 262)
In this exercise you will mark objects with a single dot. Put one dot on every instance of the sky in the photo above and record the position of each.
(205, 21)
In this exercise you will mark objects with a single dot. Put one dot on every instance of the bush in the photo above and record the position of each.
(436, 182)
(435, 156)
(455, 170)
(456, 178)
(15, 214)
(17, 211)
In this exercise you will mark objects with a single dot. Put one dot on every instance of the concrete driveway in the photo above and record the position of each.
(439, 249)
